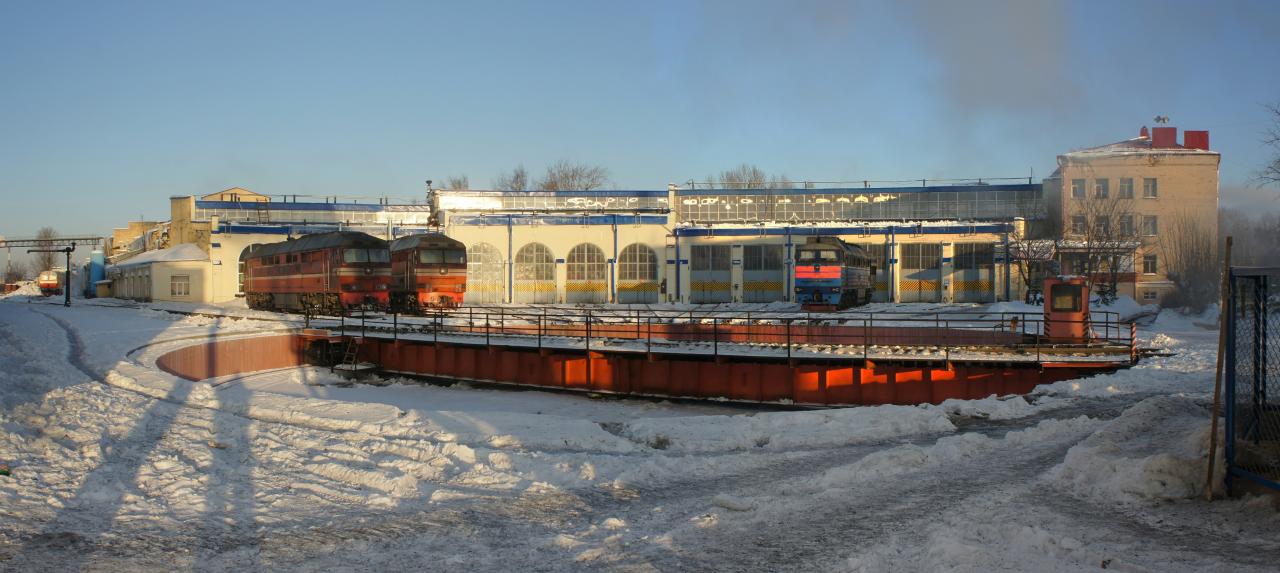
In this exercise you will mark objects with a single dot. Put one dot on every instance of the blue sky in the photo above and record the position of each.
(110, 108)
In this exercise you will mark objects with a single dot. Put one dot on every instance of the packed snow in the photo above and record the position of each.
(115, 465)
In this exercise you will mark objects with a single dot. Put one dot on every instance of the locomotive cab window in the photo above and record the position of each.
(355, 256)
(430, 256)
(1065, 298)
(455, 257)
(379, 256)
(818, 256)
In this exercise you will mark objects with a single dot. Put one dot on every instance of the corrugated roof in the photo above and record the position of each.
(183, 252)
(339, 239)
(428, 240)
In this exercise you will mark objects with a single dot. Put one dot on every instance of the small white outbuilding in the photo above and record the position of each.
(179, 273)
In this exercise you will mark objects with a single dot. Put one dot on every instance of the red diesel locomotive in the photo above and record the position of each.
(326, 273)
(430, 271)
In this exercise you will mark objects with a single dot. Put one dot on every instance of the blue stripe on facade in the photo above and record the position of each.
(801, 231)
(273, 206)
(646, 193)
(858, 190)
(502, 220)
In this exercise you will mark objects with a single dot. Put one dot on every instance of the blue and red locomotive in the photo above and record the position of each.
(831, 274)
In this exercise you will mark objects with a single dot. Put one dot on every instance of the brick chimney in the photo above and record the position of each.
(1164, 137)
(1195, 139)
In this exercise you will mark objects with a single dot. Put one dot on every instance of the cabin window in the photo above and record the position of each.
(1065, 298)
(379, 256)
(430, 257)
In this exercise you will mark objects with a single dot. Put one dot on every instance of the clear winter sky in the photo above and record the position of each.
(108, 108)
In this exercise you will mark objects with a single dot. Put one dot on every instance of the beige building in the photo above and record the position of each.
(181, 274)
(1122, 210)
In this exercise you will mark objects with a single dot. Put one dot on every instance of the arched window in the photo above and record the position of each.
(637, 275)
(535, 262)
(637, 263)
(485, 276)
(535, 270)
(586, 263)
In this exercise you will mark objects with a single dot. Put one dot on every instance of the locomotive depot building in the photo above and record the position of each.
(929, 241)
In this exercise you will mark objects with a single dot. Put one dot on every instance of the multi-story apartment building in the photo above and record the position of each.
(1122, 210)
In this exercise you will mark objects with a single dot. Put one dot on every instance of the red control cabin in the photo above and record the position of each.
(327, 273)
(430, 272)
(1066, 309)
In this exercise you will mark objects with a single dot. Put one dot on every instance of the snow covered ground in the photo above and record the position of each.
(118, 466)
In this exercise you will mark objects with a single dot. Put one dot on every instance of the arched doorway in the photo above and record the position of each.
(637, 275)
(535, 270)
(587, 275)
(485, 276)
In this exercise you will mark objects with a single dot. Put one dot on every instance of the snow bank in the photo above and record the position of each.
(1001, 407)
(950, 449)
(786, 430)
(1155, 450)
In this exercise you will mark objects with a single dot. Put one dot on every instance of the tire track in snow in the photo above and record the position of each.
(76, 354)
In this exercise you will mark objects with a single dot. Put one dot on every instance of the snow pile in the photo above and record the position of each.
(948, 450)
(786, 430)
(26, 288)
(1155, 450)
(1000, 407)
(984, 547)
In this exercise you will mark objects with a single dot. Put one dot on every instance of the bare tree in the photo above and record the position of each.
(46, 261)
(1032, 253)
(1100, 239)
(567, 176)
(745, 176)
(1190, 260)
(457, 183)
(1270, 173)
(15, 271)
(516, 180)
(1254, 237)
(780, 182)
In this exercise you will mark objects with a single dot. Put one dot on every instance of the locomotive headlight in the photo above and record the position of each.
(798, 289)
(835, 289)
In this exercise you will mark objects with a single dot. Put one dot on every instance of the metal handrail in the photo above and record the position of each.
(945, 331)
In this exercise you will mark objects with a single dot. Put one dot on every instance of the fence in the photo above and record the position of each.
(944, 335)
(1253, 361)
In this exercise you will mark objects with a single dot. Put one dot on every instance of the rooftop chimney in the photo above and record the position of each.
(1195, 139)
(1164, 137)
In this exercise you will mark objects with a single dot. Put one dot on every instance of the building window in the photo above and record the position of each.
(1149, 264)
(1150, 226)
(1077, 188)
(1101, 188)
(1149, 295)
(180, 285)
(1149, 190)
(1126, 188)
(1103, 226)
(1078, 224)
(1126, 226)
